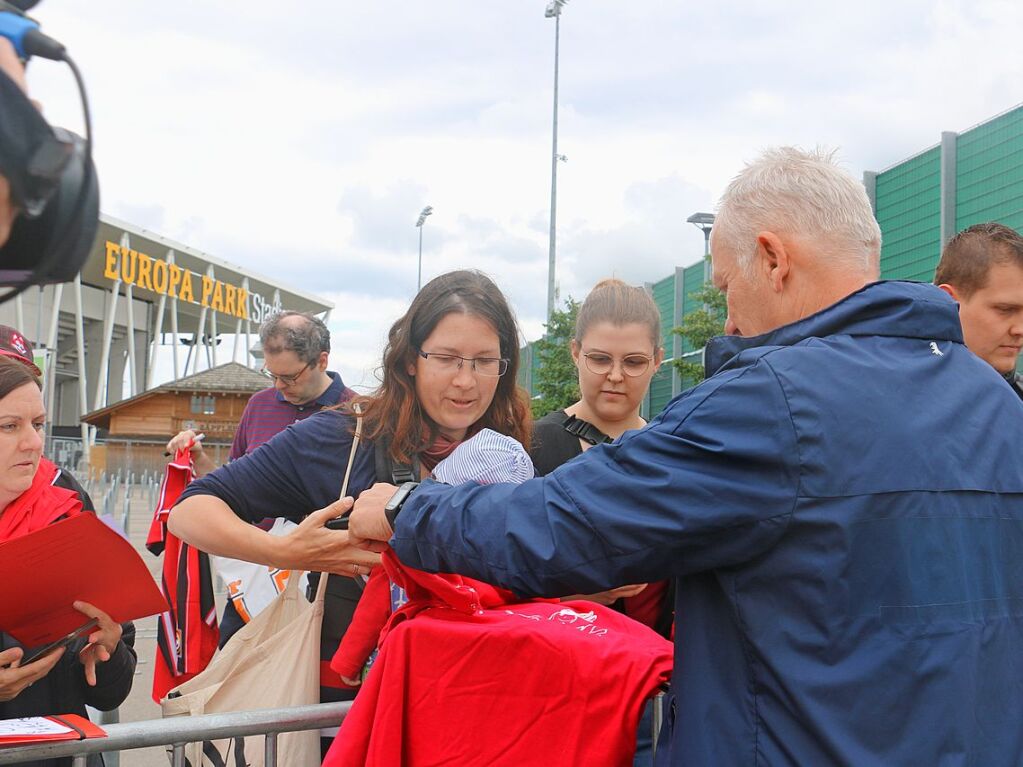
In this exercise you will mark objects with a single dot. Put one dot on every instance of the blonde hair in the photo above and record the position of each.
(613, 301)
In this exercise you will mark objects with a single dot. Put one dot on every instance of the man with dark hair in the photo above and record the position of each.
(982, 269)
(296, 347)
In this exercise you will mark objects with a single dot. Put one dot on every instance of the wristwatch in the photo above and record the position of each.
(397, 501)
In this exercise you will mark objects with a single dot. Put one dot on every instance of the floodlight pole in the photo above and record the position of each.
(427, 211)
(554, 9)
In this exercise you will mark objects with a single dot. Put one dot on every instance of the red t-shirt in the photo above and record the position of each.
(469, 675)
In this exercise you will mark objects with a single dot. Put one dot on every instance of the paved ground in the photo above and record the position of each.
(140, 706)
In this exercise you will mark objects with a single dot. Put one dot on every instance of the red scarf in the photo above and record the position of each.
(441, 448)
(38, 506)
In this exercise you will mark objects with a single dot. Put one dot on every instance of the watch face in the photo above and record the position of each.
(400, 495)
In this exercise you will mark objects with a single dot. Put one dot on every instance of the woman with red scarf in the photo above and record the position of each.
(449, 369)
(96, 670)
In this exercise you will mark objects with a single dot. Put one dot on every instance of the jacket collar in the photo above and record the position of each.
(890, 308)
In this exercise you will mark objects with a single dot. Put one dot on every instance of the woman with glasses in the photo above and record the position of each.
(616, 349)
(449, 370)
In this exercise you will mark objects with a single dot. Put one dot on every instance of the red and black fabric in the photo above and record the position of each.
(468, 674)
(187, 633)
(40, 505)
(359, 641)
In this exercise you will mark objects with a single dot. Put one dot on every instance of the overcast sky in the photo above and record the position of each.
(301, 140)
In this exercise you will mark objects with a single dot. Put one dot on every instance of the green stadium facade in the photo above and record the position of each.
(920, 203)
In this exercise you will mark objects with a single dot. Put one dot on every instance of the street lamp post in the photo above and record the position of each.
(427, 211)
(554, 11)
(704, 222)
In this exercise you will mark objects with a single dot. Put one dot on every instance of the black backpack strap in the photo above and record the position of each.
(585, 431)
(391, 471)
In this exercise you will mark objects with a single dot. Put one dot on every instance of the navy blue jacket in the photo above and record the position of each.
(841, 503)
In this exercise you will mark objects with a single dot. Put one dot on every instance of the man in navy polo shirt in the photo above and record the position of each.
(295, 351)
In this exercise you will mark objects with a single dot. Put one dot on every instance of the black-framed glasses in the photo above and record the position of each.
(449, 363)
(601, 364)
(289, 380)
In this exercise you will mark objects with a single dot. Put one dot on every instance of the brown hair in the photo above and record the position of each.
(613, 301)
(969, 256)
(394, 411)
(308, 339)
(14, 375)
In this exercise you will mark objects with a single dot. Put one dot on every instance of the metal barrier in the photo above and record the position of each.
(179, 731)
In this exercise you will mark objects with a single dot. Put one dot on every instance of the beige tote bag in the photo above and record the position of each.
(272, 662)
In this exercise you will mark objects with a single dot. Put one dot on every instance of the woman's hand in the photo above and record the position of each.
(312, 546)
(102, 641)
(608, 598)
(14, 678)
(368, 527)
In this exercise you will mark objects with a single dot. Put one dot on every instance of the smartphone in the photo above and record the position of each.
(62, 642)
(337, 523)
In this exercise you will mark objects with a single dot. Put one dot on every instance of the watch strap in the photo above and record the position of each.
(391, 511)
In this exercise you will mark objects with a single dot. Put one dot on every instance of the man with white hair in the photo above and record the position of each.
(843, 518)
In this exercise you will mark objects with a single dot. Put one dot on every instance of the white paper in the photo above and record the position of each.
(32, 725)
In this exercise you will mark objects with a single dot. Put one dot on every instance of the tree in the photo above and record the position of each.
(699, 327)
(557, 380)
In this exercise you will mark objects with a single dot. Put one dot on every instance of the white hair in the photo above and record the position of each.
(792, 191)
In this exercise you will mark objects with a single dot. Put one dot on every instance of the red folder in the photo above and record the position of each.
(43, 573)
(81, 728)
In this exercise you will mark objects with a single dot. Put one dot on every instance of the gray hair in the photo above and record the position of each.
(308, 338)
(792, 191)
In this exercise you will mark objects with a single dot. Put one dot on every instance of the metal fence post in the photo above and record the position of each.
(270, 750)
(177, 732)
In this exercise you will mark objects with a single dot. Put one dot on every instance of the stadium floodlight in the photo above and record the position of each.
(427, 211)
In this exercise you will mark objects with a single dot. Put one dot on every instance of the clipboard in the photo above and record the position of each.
(79, 558)
(41, 729)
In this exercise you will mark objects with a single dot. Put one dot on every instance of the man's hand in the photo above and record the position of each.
(102, 642)
(186, 440)
(14, 678)
(10, 66)
(369, 528)
(311, 546)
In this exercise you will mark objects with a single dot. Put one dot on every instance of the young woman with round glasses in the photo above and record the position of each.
(616, 349)
(449, 369)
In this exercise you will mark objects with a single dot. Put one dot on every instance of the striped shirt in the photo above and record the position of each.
(268, 413)
(487, 458)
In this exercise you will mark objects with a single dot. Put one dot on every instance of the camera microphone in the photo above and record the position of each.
(50, 171)
(25, 35)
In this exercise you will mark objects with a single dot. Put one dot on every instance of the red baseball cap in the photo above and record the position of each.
(14, 345)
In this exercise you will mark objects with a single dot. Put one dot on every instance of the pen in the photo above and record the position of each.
(198, 438)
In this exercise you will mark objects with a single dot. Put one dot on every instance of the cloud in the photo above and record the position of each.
(384, 220)
(303, 144)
